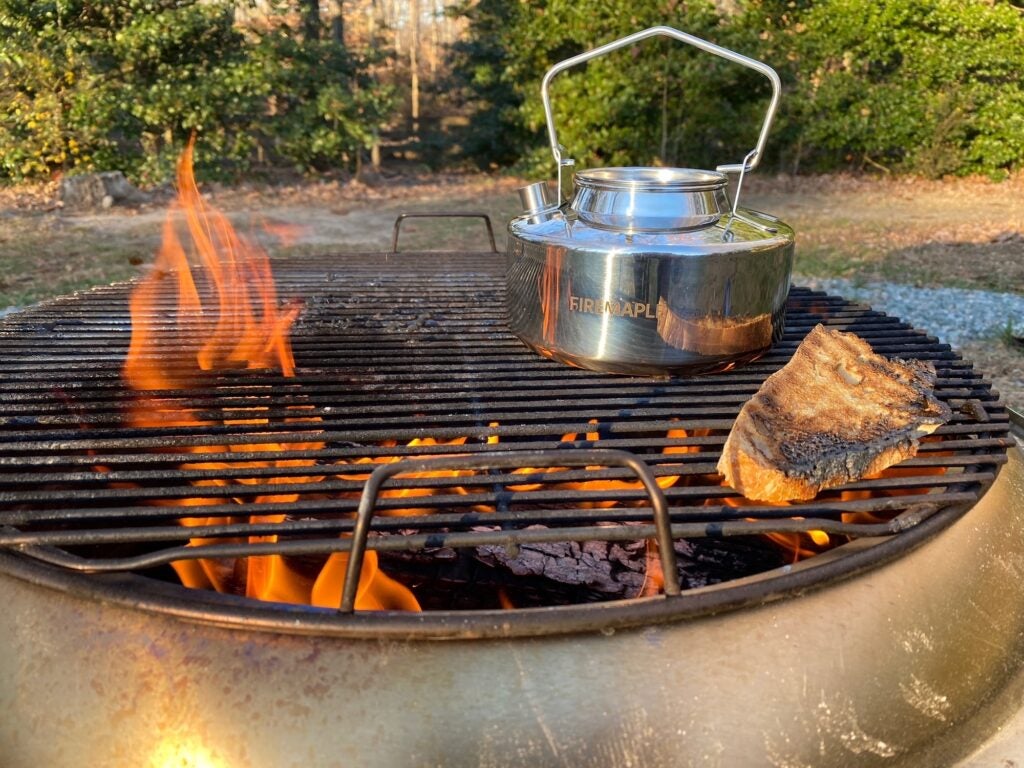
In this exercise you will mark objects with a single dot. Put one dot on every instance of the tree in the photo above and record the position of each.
(659, 102)
(483, 80)
(123, 84)
(928, 86)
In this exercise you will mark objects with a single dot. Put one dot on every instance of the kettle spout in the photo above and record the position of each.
(536, 198)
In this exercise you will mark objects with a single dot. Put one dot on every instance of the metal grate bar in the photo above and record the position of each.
(684, 465)
(457, 427)
(817, 509)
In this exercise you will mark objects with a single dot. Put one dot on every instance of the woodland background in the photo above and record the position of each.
(923, 87)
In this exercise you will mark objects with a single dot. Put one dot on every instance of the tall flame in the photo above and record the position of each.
(210, 305)
(238, 325)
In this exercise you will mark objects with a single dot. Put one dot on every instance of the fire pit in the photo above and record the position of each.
(890, 647)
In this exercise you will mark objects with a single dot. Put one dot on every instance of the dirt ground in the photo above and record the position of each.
(963, 233)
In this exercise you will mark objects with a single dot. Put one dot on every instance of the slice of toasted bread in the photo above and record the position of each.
(833, 414)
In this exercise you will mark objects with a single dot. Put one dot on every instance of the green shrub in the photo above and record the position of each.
(485, 74)
(123, 84)
(325, 105)
(928, 86)
(923, 86)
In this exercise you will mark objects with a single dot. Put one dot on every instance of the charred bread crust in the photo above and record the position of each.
(833, 414)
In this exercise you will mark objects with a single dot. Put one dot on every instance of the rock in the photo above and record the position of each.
(95, 190)
(369, 176)
(1008, 237)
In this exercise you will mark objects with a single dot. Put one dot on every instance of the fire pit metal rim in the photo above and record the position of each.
(207, 607)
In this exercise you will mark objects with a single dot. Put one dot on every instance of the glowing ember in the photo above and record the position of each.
(654, 576)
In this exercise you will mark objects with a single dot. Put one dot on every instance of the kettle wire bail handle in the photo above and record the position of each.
(744, 167)
(752, 159)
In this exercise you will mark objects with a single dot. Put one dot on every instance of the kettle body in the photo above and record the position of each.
(677, 284)
(648, 270)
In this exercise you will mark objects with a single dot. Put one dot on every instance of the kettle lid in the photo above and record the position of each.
(652, 179)
(649, 199)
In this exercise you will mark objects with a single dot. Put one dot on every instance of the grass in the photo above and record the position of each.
(447, 234)
(820, 260)
(1012, 336)
(923, 233)
(45, 252)
(833, 252)
(41, 259)
(957, 233)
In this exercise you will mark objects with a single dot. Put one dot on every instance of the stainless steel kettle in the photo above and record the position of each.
(648, 270)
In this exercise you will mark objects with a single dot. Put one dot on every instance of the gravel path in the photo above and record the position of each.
(955, 315)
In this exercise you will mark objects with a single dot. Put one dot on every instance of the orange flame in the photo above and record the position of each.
(226, 315)
(803, 545)
(654, 574)
(239, 325)
(504, 600)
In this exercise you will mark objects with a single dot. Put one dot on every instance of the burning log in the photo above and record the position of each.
(620, 569)
(573, 572)
(608, 568)
(835, 413)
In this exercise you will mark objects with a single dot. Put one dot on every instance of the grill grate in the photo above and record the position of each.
(396, 354)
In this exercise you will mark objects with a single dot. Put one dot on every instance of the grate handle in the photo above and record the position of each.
(442, 215)
(510, 460)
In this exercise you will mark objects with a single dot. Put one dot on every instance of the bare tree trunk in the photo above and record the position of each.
(375, 151)
(437, 10)
(396, 15)
(446, 25)
(414, 64)
(338, 23)
(376, 21)
(311, 19)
